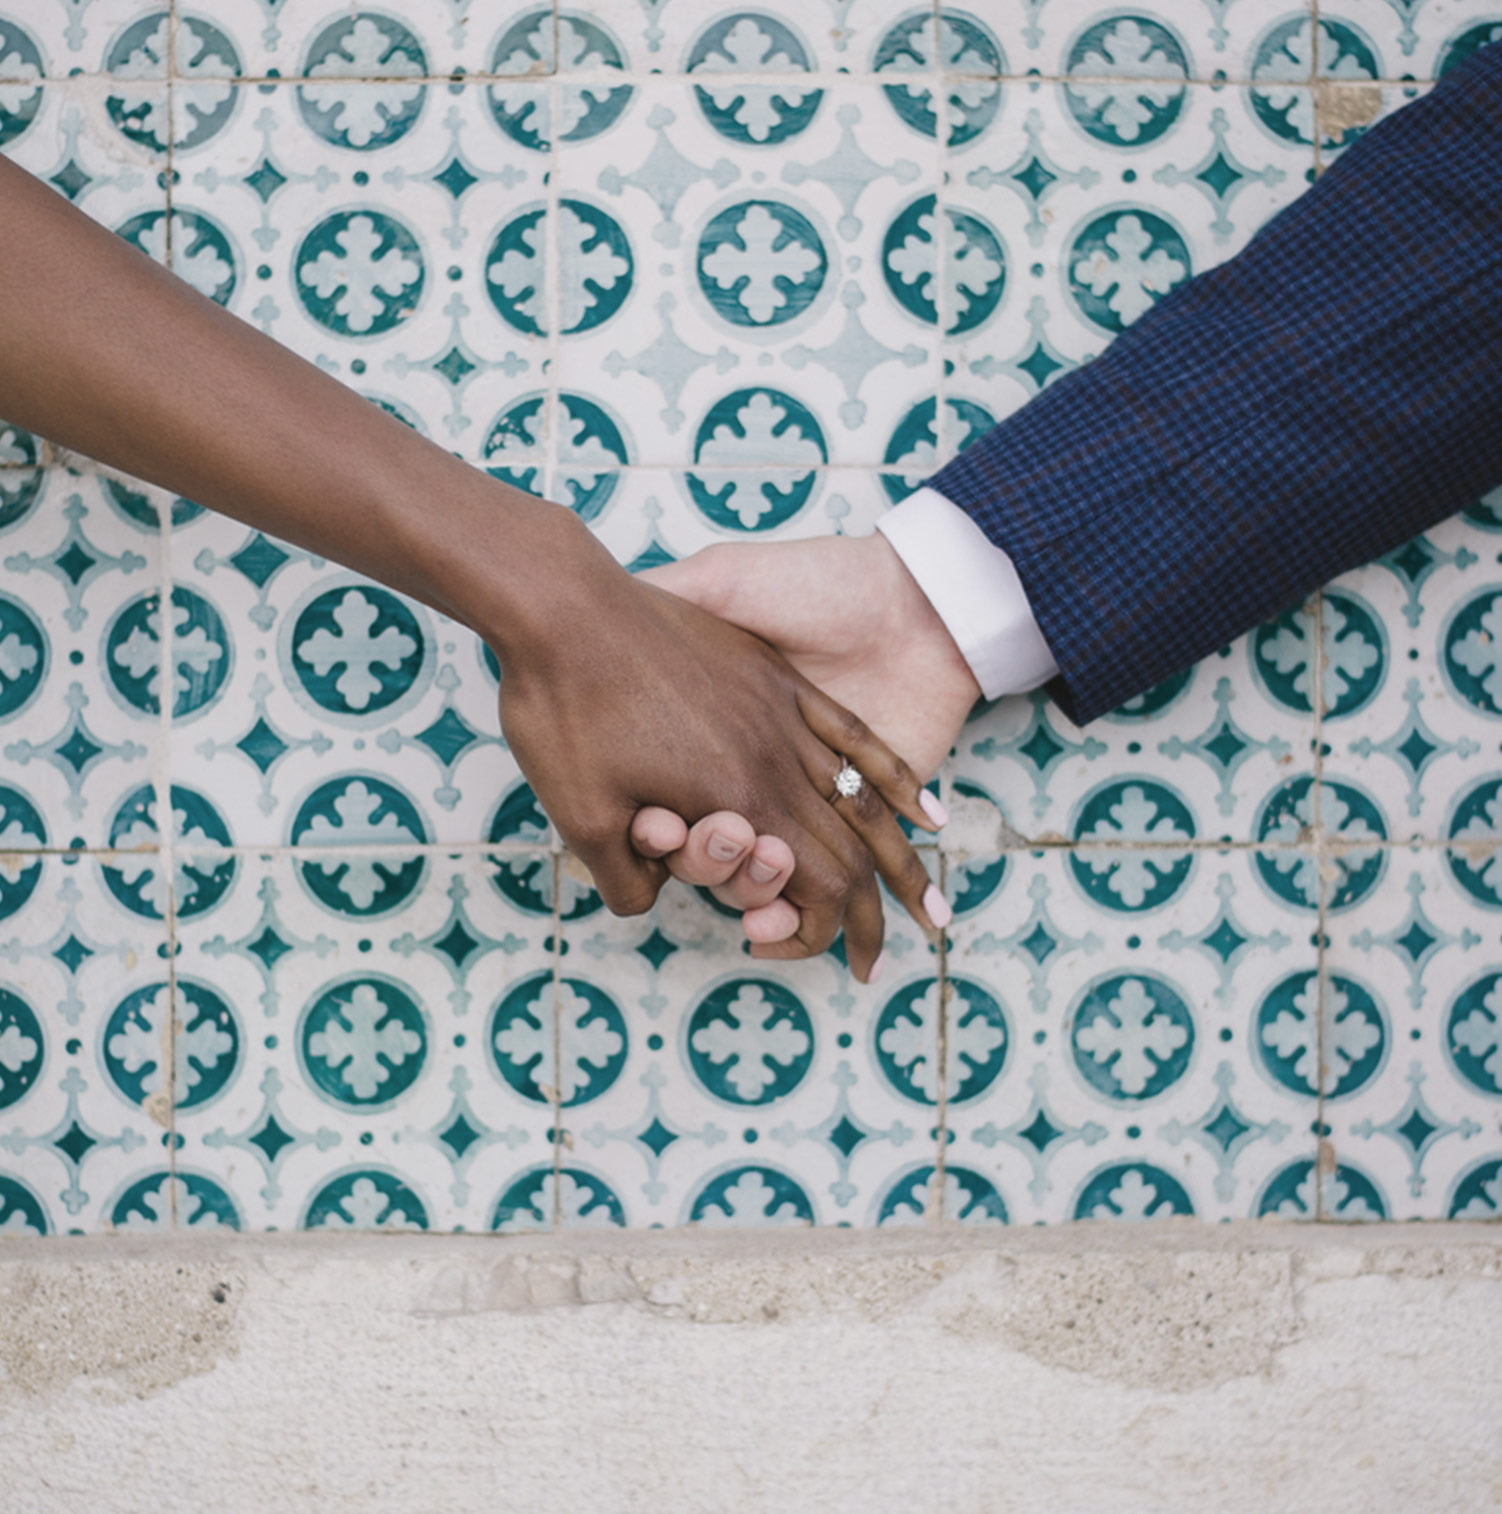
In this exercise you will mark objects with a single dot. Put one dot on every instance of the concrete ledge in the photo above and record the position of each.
(1082, 1368)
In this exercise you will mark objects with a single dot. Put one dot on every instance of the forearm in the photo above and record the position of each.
(106, 353)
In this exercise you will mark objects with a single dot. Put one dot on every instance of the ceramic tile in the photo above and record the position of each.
(63, 38)
(1411, 1019)
(1409, 39)
(356, 1088)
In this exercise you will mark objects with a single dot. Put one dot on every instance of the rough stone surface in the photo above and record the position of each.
(1091, 1368)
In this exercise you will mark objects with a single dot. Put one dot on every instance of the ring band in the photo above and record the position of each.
(848, 782)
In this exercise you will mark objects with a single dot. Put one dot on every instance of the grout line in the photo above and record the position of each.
(936, 1213)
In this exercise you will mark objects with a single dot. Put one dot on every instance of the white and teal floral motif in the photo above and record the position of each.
(1468, 42)
(965, 1198)
(21, 1211)
(1132, 810)
(367, 1198)
(1473, 1034)
(20, 478)
(137, 508)
(364, 116)
(1296, 1192)
(22, 830)
(21, 1048)
(204, 1037)
(749, 1198)
(751, 42)
(164, 1201)
(357, 651)
(200, 653)
(1121, 263)
(570, 1200)
(360, 811)
(591, 449)
(204, 65)
(1133, 1036)
(23, 658)
(20, 81)
(913, 452)
(974, 266)
(761, 263)
(1285, 65)
(906, 1039)
(1476, 862)
(750, 1041)
(748, 430)
(201, 251)
(537, 884)
(363, 1042)
(960, 45)
(1297, 1031)
(1126, 79)
(1478, 1193)
(1473, 652)
(1288, 819)
(360, 272)
(1354, 649)
(526, 52)
(563, 1043)
(1155, 700)
(200, 879)
(595, 269)
(1132, 1191)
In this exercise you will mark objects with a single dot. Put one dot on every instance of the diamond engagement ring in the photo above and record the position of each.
(847, 782)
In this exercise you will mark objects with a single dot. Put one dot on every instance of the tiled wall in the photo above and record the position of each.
(1234, 950)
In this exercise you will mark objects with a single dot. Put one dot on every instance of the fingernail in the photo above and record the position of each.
(929, 803)
(936, 907)
(723, 849)
(760, 872)
(878, 967)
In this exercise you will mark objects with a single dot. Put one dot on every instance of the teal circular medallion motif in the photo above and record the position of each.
(534, 883)
(1473, 1034)
(358, 650)
(1131, 1036)
(362, 1042)
(968, 1198)
(201, 253)
(204, 67)
(1283, 64)
(915, 448)
(526, 52)
(905, 1040)
(381, 109)
(1458, 50)
(760, 263)
(140, 511)
(359, 272)
(22, 1049)
(21, 478)
(963, 45)
(1131, 810)
(1126, 78)
(163, 1201)
(201, 653)
(975, 271)
(365, 1198)
(749, 1041)
(750, 42)
(21, 1211)
(1132, 1191)
(744, 433)
(1472, 658)
(1477, 1196)
(1291, 1045)
(1122, 263)
(591, 451)
(1478, 818)
(21, 830)
(973, 880)
(590, 1034)
(1355, 656)
(21, 94)
(1295, 1192)
(1486, 512)
(135, 876)
(1288, 867)
(23, 658)
(750, 1197)
(578, 1199)
(596, 270)
(360, 811)
(206, 1041)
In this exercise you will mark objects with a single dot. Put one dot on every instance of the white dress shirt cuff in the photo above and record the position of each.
(971, 582)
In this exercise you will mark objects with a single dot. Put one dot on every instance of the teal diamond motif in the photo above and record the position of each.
(268, 948)
(460, 1136)
(1042, 748)
(1415, 941)
(457, 945)
(71, 179)
(657, 1137)
(1226, 1128)
(1416, 1129)
(259, 559)
(71, 953)
(1417, 749)
(75, 562)
(79, 750)
(1225, 940)
(1219, 175)
(1225, 746)
(74, 1143)
(1038, 944)
(1034, 177)
(265, 179)
(1042, 1133)
(447, 737)
(271, 1139)
(455, 366)
(455, 177)
(261, 744)
(1039, 366)
(653, 556)
(846, 1136)
(657, 948)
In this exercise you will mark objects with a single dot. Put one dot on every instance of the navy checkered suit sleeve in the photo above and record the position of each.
(1303, 408)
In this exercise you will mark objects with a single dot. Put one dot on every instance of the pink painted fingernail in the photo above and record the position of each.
(760, 872)
(929, 803)
(936, 907)
(723, 849)
(878, 967)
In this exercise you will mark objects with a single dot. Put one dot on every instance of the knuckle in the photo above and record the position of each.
(633, 898)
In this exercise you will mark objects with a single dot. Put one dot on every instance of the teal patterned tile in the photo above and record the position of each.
(1409, 39)
(70, 37)
(361, 1090)
(84, 1107)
